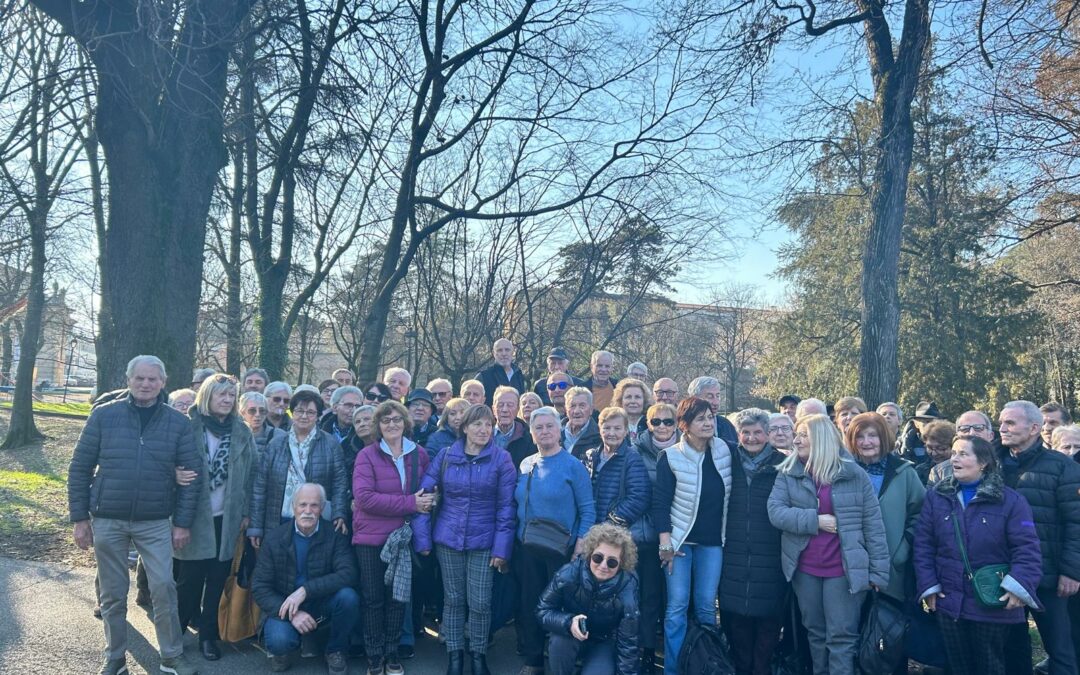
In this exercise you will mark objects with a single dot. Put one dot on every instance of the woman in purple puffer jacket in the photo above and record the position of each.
(997, 527)
(473, 531)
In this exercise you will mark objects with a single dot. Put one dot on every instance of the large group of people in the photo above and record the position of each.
(603, 517)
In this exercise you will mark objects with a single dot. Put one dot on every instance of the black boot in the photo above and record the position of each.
(456, 666)
(479, 664)
(648, 658)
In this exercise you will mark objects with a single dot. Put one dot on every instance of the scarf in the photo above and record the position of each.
(877, 468)
(219, 463)
(298, 452)
(752, 464)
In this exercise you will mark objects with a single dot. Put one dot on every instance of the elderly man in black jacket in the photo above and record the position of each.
(1050, 482)
(304, 576)
(503, 373)
(123, 477)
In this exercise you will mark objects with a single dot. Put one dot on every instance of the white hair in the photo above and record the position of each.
(145, 359)
(269, 389)
(637, 365)
(253, 397)
(1031, 411)
(320, 488)
(340, 392)
(699, 383)
(574, 392)
(545, 411)
(390, 372)
(894, 406)
(752, 416)
(307, 387)
(810, 406)
(598, 353)
(985, 418)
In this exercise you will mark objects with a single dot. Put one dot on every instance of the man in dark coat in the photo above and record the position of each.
(580, 431)
(304, 576)
(1050, 482)
(502, 373)
(123, 477)
(338, 423)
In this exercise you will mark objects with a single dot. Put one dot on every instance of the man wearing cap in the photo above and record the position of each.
(788, 404)
(557, 362)
(502, 373)
(421, 411)
(912, 447)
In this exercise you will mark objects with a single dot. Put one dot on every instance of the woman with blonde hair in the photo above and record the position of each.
(833, 545)
(449, 426)
(845, 410)
(590, 607)
(634, 398)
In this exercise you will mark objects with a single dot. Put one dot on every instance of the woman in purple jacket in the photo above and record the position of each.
(997, 527)
(386, 493)
(473, 531)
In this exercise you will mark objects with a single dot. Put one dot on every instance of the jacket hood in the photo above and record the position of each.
(992, 487)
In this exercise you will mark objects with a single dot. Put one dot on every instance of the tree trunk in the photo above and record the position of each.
(895, 82)
(22, 430)
(6, 353)
(159, 118)
(273, 345)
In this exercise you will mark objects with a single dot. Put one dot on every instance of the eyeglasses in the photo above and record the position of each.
(612, 563)
(392, 420)
(349, 406)
(309, 412)
(256, 411)
(656, 421)
(440, 394)
(968, 428)
(376, 397)
(778, 429)
(666, 392)
(552, 386)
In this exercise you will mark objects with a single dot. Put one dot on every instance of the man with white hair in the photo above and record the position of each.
(278, 394)
(601, 384)
(810, 406)
(580, 433)
(503, 373)
(304, 576)
(638, 371)
(344, 377)
(399, 381)
(122, 492)
(1050, 482)
(708, 389)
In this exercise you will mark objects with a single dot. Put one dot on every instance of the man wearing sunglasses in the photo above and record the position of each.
(557, 362)
(556, 387)
(278, 395)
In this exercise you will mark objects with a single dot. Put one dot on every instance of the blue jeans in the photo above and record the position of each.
(700, 565)
(341, 610)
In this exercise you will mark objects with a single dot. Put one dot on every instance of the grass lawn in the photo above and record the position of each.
(33, 496)
(79, 409)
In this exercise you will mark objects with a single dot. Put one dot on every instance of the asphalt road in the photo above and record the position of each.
(49, 627)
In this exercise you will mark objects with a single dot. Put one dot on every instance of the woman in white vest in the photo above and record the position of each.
(690, 505)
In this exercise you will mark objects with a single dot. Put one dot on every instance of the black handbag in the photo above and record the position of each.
(882, 640)
(543, 535)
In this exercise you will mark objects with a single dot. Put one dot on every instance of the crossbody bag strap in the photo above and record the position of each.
(415, 461)
(528, 489)
(960, 544)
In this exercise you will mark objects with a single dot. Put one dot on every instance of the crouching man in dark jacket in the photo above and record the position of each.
(304, 576)
(590, 607)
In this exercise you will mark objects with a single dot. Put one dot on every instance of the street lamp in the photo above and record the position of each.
(71, 358)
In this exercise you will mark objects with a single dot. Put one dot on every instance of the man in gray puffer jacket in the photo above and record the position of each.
(123, 476)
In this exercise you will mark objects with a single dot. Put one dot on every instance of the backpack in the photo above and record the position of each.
(705, 652)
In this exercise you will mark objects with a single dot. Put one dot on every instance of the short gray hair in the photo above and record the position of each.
(504, 389)
(699, 383)
(202, 373)
(810, 406)
(253, 397)
(779, 416)
(395, 370)
(894, 406)
(752, 416)
(469, 383)
(307, 387)
(340, 392)
(1055, 437)
(440, 380)
(256, 371)
(1031, 411)
(985, 418)
(574, 392)
(638, 365)
(598, 353)
(269, 389)
(145, 358)
(362, 408)
(545, 411)
(320, 488)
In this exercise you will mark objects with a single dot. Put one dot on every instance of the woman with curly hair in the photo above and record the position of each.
(590, 607)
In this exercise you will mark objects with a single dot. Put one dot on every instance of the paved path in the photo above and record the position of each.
(48, 626)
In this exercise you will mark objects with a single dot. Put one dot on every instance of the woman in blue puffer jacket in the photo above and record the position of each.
(473, 532)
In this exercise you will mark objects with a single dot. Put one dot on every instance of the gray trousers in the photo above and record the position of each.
(153, 541)
(467, 580)
(830, 612)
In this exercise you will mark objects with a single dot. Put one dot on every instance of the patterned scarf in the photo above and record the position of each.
(877, 468)
(299, 452)
(219, 463)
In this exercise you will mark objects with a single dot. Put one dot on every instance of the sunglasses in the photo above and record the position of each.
(612, 563)
(552, 386)
(376, 397)
(279, 399)
(656, 421)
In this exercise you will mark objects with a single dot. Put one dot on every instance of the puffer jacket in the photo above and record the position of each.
(331, 566)
(476, 502)
(752, 582)
(997, 528)
(621, 487)
(262, 440)
(325, 466)
(1050, 482)
(863, 548)
(650, 453)
(121, 471)
(439, 441)
(611, 608)
(329, 424)
(381, 504)
(241, 466)
(589, 438)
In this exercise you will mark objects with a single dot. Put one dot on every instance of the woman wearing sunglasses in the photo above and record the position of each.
(590, 607)
(375, 393)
